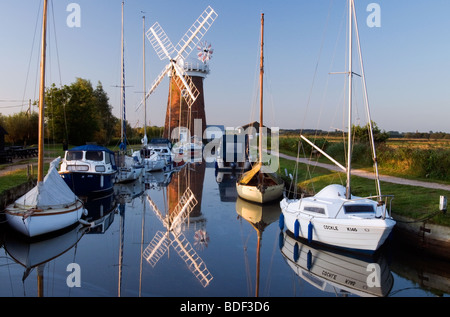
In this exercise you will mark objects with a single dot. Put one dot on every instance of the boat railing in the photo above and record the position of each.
(383, 200)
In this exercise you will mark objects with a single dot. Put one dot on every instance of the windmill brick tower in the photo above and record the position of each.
(179, 113)
(185, 101)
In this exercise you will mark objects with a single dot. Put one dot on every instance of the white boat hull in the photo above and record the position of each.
(34, 223)
(349, 233)
(253, 193)
(154, 165)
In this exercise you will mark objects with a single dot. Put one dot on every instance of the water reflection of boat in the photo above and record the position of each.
(227, 185)
(339, 273)
(37, 253)
(101, 212)
(260, 217)
(129, 191)
(158, 179)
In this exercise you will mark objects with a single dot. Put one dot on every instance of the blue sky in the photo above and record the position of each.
(406, 60)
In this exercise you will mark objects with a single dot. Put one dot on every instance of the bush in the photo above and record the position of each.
(429, 163)
(423, 163)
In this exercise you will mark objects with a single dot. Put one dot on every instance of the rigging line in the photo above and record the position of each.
(56, 44)
(268, 86)
(31, 54)
(341, 27)
(254, 99)
(317, 65)
(366, 102)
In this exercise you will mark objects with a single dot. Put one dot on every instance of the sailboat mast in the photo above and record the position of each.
(41, 97)
(261, 75)
(122, 89)
(350, 79)
(143, 80)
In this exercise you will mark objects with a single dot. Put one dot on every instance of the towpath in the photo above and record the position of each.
(365, 174)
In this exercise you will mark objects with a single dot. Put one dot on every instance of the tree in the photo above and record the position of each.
(361, 134)
(22, 128)
(105, 117)
(79, 114)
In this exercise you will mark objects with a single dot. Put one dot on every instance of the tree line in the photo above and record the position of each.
(75, 114)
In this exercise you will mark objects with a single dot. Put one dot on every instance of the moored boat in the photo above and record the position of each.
(334, 216)
(260, 184)
(89, 169)
(360, 224)
(49, 206)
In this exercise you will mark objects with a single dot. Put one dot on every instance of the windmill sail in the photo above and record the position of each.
(165, 50)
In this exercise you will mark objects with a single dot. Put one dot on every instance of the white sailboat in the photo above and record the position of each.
(334, 216)
(50, 205)
(257, 185)
(129, 168)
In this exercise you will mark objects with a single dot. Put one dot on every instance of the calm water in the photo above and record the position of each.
(225, 248)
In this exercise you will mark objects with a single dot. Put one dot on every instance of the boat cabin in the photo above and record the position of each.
(89, 158)
(331, 203)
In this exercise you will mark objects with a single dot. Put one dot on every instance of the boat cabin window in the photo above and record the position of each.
(74, 155)
(107, 159)
(358, 208)
(318, 210)
(111, 159)
(94, 155)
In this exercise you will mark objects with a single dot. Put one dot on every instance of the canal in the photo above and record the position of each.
(186, 234)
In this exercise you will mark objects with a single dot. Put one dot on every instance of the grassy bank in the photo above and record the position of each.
(410, 201)
(425, 160)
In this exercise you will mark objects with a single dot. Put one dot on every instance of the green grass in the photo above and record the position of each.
(13, 179)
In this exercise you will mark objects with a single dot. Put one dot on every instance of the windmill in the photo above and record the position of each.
(182, 72)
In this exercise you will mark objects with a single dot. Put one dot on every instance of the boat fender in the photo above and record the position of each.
(296, 228)
(309, 260)
(310, 231)
(281, 240)
(281, 221)
(296, 253)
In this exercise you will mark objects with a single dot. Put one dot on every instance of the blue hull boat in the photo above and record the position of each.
(89, 170)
